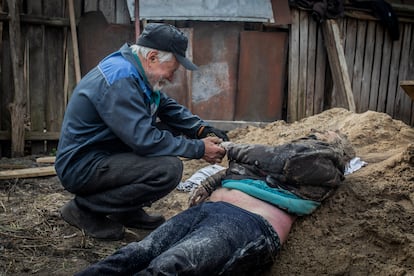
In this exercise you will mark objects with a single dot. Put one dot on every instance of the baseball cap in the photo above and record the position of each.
(166, 38)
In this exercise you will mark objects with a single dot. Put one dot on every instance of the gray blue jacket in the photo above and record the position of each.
(110, 112)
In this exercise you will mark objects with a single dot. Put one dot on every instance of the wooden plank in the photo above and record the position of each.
(36, 72)
(337, 63)
(292, 112)
(320, 75)
(359, 63)
(189, 32)
(385, 73)
(6, 83)
(376, 68)
(28, 173)
(17, 107)
(403, 102)
(36, 75)
(310, 81)
(1, 66)
(393, 84)
(367, 69)
(410, 82)
(37, 19)
(303, 62)
(54, 65)
(33, 135)
(350, 44)
(1, 50)
(46, 159)
(408, 87)
(74, 34)
(70, 74)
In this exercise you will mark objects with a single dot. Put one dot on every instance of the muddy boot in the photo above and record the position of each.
(139, 219)
(93, 224)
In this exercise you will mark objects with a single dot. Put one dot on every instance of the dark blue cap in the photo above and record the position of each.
(166, 38)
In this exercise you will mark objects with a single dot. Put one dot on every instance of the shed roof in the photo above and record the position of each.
(206, 10)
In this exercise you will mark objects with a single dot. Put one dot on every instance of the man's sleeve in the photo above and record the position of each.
(179, 117)
(125, 111)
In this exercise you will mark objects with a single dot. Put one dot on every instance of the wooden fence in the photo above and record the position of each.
(376, 65)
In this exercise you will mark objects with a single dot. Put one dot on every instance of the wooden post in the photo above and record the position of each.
(137, 27)
(17, 107)
(74, 40)
(337, 62)
(1, 40)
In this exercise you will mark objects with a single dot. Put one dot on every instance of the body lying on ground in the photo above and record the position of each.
(250, 209)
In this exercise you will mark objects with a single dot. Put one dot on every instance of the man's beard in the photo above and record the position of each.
(159, 84)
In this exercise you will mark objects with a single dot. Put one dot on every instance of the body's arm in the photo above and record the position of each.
(206, 187)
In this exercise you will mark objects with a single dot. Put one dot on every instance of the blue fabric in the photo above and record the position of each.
(109, 113)
(281, 198)
(212, 238)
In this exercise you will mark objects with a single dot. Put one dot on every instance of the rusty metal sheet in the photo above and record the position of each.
(215, 50)
(261, 76)
(97, 38)
(281, 12)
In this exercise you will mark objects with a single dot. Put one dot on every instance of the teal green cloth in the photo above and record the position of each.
(279, 197)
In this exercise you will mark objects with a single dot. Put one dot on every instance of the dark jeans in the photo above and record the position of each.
(213, 238)
(126, 182)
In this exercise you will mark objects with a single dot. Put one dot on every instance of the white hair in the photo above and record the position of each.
(143, 51)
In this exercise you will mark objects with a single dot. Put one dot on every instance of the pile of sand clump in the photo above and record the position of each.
(367, 227)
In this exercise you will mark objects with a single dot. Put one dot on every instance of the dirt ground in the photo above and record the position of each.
(365, 228)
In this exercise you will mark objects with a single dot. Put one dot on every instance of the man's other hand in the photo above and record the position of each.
(206, 131)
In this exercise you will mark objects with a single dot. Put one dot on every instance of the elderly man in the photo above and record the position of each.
(251, 209)
(112, 154)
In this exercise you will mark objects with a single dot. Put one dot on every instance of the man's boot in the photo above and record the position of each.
(93, 224)
(139, 219)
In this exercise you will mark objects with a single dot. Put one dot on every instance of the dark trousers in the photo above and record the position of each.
(213, 238)
(126, 182)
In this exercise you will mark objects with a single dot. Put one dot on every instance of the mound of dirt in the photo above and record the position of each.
(365, 228)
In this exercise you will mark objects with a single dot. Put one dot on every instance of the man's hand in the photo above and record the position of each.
(206, 131)
(213, 153)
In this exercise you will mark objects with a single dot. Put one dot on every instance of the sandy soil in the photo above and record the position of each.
(365, 228)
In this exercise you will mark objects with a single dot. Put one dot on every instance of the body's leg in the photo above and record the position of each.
(137, 255)
(225, 237)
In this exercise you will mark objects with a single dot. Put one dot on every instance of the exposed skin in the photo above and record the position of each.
(161, 73)
(280, 220)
